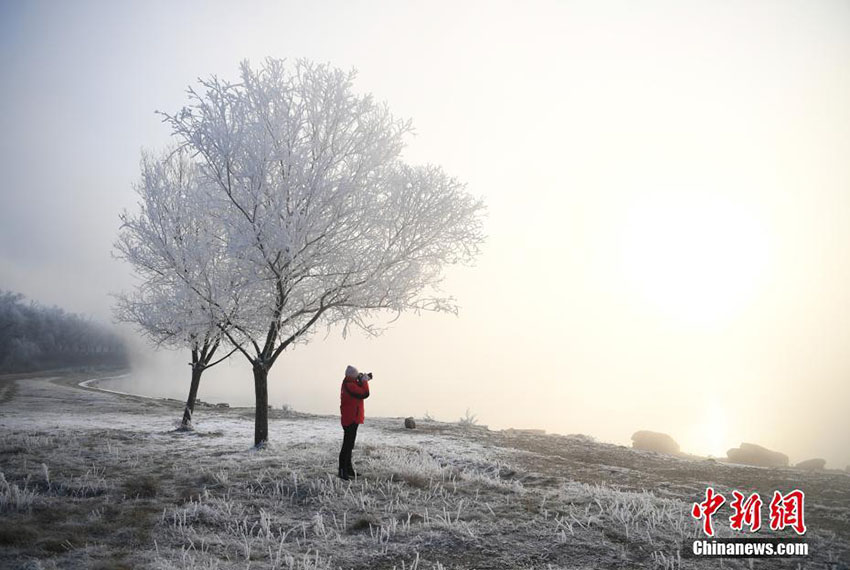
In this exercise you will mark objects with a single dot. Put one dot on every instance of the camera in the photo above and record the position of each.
(364, 376)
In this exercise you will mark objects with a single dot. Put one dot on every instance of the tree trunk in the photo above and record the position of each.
(193, 394)
(261, 418)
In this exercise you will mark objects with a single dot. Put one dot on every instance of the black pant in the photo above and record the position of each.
(350, 434)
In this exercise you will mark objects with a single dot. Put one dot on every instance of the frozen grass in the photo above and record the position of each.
(638, 515)
(124, 490)
(14, 498)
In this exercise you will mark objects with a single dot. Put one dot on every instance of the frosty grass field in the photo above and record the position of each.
(92, 479)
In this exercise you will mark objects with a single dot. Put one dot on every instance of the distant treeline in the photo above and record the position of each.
(34, 337)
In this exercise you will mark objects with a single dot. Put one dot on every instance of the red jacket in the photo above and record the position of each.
(351, 396)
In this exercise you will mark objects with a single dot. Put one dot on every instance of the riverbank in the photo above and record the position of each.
(95, 479)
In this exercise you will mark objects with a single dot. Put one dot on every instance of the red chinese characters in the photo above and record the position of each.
(746, 512)
(787, 510)
(707, 508)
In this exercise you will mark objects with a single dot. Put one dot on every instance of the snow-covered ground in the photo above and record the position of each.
(93, 479)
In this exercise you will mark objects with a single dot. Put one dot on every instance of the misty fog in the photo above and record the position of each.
(666, 186)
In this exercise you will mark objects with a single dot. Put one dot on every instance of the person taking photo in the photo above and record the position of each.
(355, 389)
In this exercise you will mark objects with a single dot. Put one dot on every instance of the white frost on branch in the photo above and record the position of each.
(316, 218)
(176, 251)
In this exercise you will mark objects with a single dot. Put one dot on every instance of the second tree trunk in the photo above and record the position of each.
(193, 394)
(261, 419)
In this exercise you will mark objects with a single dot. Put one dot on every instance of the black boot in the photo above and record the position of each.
(343, 474)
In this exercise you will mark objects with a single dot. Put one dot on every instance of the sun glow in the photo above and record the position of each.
(699, 258)
(710, 434)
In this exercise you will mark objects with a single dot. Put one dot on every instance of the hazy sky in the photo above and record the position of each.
(667, 184)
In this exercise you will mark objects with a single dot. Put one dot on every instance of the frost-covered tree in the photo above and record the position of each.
(173, 247)
(321, 221)
(155, 312)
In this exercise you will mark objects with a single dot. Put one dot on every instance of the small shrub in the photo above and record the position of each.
(469, 419)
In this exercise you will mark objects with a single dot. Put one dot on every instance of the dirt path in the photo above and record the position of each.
(9, 382)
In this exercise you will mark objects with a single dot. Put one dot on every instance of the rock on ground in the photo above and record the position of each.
(816, 464)
(654, 441)
(752, 454)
